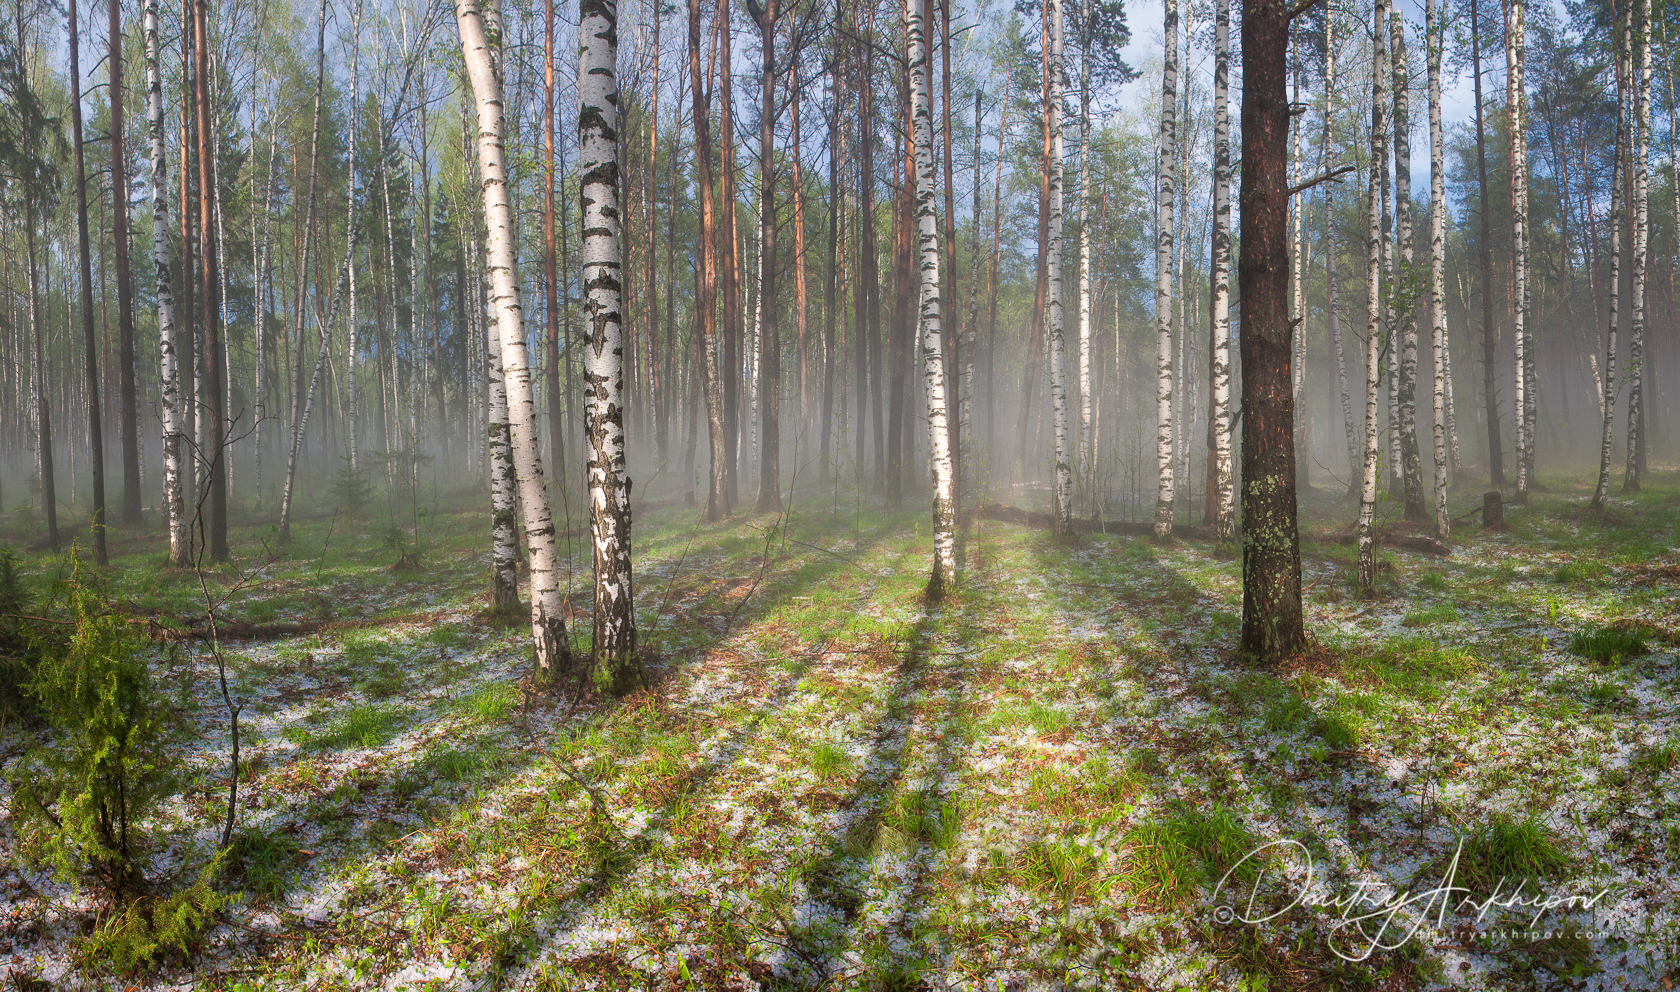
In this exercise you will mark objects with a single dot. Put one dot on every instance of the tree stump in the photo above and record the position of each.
(1493, 511)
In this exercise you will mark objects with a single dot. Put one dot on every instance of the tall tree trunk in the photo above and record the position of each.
(353, 332)
(1516, 127)
(128, 405)
(214, 363)
(1332, 315)
(1373, 304)
(614, 643)
(556, 421)
(1087, 420)
(831, 358)
(504, 482)
(1641, 239)
(770, 348)
(301, 399)
(169, 379)
(548, 630)
(96, 441)
(1433, 48)
(1607, 395)
(1063, 491)
(1163, 263)
(1411, 467)
(1223, 498)
(705, 311)
(733, 284)
(1490, 330)
(944, 577)
(1272, 622)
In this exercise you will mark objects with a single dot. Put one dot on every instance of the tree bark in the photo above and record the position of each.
(213, 419)
(1433, 48)
(770, 348)
(1224, 494)
(1062, 493)
(169, 379)
(614, 643)
(1411, 467)
(1641, 240)
(548, 630)
(944, 577)
(1516, 127)
(1272, 622)
(705, 315)
(128, 405)
(1164, 247)
(96, 441)
(1490, 330)
(1367, 576)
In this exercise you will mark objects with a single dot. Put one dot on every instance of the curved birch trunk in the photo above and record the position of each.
(1373, 305)
(1641, 243)
(1165, 184)
(548, 629)
(1437, 264)
(170, 399)
(944, 577)
(1063, 493)
(1225, 494)
(614, 643)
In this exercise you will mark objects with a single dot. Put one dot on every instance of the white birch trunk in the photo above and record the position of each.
(548, 631)
(1433, 48)
(1225, 495)
(1410, 463)
(1087, 431)
(944, 577)
(1166, 185)
(1516, 126)
(603, 343)
(504, 537)
(1641, 240)
(1063, 493)
(1374, 302)
(170, 400)
(353, 435)
(1607, 404)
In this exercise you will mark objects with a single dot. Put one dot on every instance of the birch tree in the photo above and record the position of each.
(1433, 46)
(1224, 494)
(1087, 426)
(1373, 304)
(944, 577)
(1165, 190)
(548, 630)
(705, 318)
(1641, 244)
(1517, 131)
(1411, 470)
(352, 405)
(614, 643)
(170, 382)
(504, 538)
(769, 337)
(1063, 491)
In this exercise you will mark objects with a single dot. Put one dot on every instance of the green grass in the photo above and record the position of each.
(1440, 613)
(1607, 644)
(1169, 858)
(363, 726)
(1510, 849)
(263, 861)
(492, 703)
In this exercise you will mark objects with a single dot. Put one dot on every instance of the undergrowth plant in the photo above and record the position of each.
(78, 800)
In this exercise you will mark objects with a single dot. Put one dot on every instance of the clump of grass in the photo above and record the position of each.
(491, 703)
(829, 761)
(922, 818)
(1433, 580)
(1063, 868)
(1578, 573)
(1339, 731)
(1509, 849)
(1440, 613)
(264, 860)
(364, 726)
(1169, 857)
(1608, 696)
(1286, 713)
(1656, 760)
(1607, 644)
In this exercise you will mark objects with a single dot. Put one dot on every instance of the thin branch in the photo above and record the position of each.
(1333, 176)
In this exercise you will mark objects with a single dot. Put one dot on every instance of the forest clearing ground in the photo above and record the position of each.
(830, 784)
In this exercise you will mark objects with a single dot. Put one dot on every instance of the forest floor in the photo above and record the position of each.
(1062, 778)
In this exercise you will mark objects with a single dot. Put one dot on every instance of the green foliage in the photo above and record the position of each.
(1065, 869)
(351, 490)
(1578, 573)
(265, 861)
(23, 642)
(1510, 849)
(1608, 644)
(1167, 857)
(78, 800)
(147, 929)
